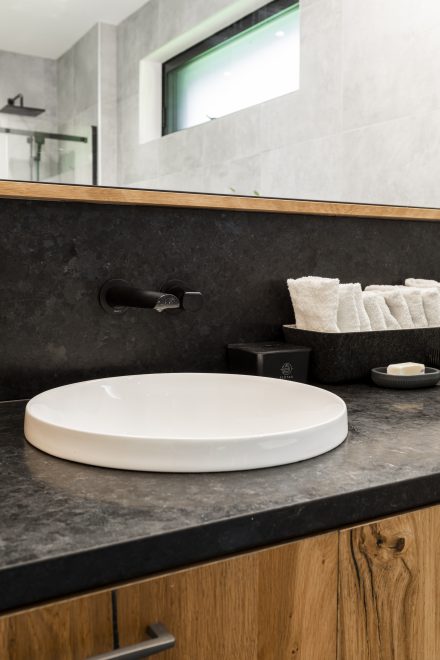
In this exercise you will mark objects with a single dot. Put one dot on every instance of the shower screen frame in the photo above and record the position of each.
(39, 138)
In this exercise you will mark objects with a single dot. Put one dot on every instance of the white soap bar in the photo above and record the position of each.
(406, 369)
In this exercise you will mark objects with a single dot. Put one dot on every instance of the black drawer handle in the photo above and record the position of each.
(161, 640)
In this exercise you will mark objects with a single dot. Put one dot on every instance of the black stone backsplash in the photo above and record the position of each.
(54, 257)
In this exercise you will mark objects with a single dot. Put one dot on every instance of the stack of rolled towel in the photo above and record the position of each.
(324, 304)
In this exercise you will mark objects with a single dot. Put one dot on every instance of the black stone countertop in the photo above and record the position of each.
(65, 527)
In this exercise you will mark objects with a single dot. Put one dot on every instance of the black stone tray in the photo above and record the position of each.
(342, 357)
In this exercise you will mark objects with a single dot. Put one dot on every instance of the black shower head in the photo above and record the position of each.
(21, 110)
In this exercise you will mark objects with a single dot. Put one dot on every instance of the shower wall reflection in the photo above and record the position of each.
(58, 144)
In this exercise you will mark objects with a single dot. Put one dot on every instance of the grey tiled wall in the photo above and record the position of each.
(364, 125)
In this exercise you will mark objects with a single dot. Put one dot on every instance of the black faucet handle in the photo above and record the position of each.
(190, 301)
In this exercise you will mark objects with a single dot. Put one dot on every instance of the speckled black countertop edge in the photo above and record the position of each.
(35, 582)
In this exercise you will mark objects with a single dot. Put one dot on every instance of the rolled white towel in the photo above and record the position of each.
(390, 321)
(414, 300)
(380, 287)
(364, 320)
(431, 305)
(399, 307)
(372, 303)
(315, 302)
(421, 283)
(348, 316)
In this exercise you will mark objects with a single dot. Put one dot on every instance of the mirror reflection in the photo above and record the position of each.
(311, 99)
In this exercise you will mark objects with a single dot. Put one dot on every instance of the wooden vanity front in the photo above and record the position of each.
(370, 592)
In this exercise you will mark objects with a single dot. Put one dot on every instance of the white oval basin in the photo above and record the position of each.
(181, 422)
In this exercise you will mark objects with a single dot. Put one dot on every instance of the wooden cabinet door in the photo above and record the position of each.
(274, 604)
(71, 629)
(389, 589)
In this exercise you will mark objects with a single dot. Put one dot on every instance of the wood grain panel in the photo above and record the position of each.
(297, 611)
(389, 595)
(102, 195)
(274, 604)
(210, 609)
(72, 629)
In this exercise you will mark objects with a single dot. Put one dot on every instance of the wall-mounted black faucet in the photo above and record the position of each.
(116, 296)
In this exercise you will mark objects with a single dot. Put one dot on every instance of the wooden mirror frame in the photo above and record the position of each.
(136, 196)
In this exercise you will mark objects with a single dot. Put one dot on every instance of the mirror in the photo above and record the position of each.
(336, 100)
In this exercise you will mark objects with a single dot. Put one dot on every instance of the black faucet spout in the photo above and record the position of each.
(117, 295)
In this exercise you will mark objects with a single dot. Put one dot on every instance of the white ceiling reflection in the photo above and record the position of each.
(47, 28)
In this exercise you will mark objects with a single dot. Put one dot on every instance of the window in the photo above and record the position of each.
(253, 60)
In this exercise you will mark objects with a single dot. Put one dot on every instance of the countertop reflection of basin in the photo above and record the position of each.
(186, 422)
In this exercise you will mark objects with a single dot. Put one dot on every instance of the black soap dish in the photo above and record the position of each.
(380, 377)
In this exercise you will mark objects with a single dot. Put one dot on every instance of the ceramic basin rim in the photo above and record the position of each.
(255, 437)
